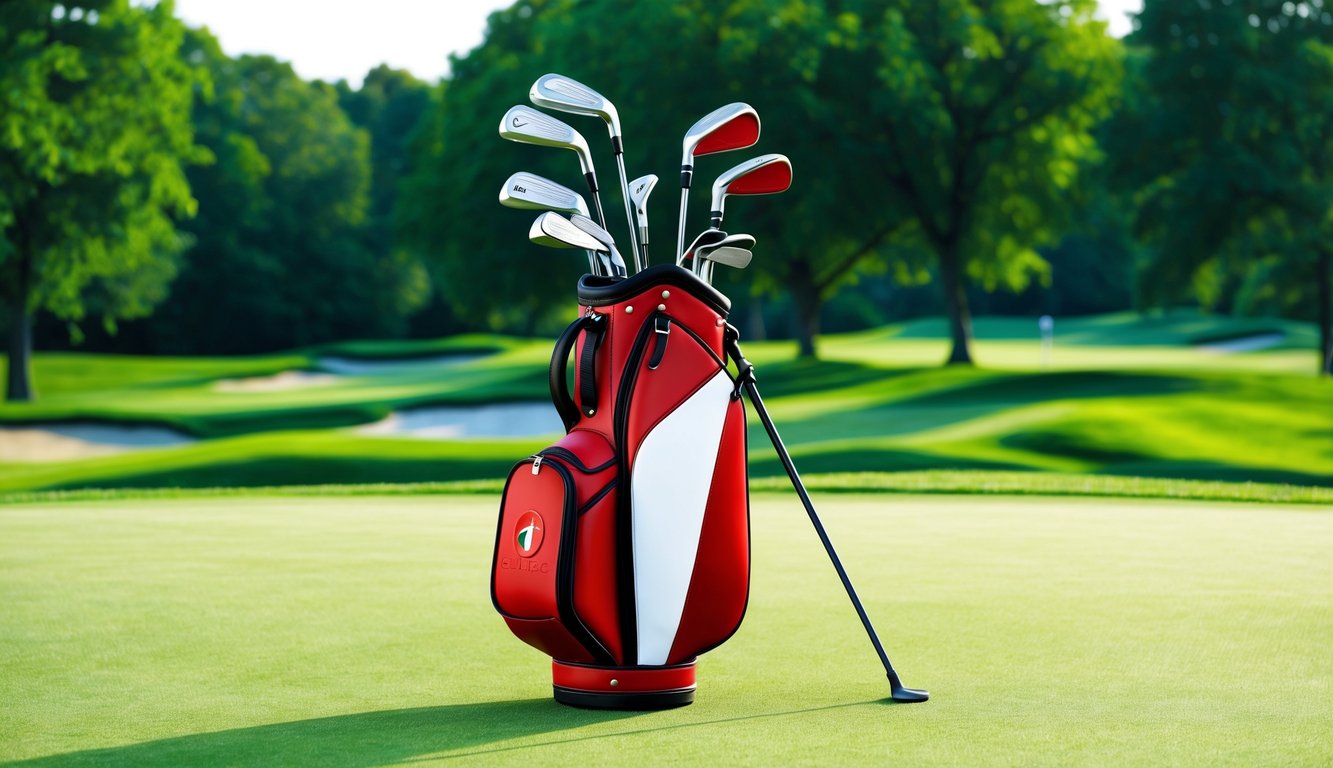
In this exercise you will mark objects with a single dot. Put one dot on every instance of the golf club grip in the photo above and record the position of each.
(787, 464)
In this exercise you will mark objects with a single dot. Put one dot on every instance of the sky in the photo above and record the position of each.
(343, 39)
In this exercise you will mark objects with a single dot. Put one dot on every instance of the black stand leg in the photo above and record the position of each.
(746, 379)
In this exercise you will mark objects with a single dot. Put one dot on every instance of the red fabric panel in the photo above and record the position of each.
(720, 586)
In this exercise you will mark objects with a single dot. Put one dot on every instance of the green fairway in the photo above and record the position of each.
(357, 631)
(1125, 395)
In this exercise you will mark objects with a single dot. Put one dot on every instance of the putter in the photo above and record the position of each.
(565, 94)
(763, 175)
(734, 126)
(554, 231)
(639, 190)
(528, 126)
(602, 236)
(528, 191)
(745, 380)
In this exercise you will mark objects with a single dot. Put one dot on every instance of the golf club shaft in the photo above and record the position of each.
(597, 206)
(680, 233)
(629, 215)
(746, 371)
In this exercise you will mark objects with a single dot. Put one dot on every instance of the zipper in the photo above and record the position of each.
(537, 464)
(569, 457)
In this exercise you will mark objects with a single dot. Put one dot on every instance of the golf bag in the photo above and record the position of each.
(623, 550)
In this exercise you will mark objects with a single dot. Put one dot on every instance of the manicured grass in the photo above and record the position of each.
(358, 631)
(933, 482)
(1126, 395)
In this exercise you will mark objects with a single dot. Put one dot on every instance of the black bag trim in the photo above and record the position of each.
(571, 458)
(597, 291)
(596, 497)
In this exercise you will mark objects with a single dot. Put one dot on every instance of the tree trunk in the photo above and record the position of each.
(955, 302)
(1325, 280)
(805, 297)
(757, 330)
(19, 386)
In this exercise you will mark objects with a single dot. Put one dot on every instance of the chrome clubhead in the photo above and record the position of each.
(528, 191)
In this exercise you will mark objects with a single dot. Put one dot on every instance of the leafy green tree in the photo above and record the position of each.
(1232, 155)
(94, 129)
(281, 257)
(389, 105)
(979, 116)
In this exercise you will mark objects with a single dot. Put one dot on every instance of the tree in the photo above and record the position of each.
(389, 105)
(980, 115)
(281, 255)
(1232, 114)
(94, 130)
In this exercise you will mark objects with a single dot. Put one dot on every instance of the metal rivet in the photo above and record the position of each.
(592, 411)
(614, 683)
(666, 294)
(629, 310)
(661, 307)
(720, 322)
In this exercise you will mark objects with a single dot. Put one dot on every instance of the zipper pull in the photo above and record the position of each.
(537, 463)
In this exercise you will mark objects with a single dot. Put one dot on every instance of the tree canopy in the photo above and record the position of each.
(94, 133)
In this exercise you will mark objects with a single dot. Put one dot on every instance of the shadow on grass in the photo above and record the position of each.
(1039, 388)
(346, 741)
(1206, 470)
(795, 377)
(862, 460)
(380, 738)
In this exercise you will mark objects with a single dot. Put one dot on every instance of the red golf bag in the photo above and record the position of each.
(623, 550)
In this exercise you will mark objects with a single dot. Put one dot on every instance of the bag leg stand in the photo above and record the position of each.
(745, 380)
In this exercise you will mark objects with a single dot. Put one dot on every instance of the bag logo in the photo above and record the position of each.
(528, 533)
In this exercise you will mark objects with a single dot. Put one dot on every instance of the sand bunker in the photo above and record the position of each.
(348, 366)
(276, 383)
(81, 440)
(502, 420)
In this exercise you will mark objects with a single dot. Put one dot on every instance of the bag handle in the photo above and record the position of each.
(560, 397)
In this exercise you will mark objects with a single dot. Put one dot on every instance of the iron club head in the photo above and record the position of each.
(763, 175)
(528, 191)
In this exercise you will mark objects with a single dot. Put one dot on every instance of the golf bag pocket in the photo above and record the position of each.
(553, 574)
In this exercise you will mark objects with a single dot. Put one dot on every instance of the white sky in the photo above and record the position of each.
(343, 39)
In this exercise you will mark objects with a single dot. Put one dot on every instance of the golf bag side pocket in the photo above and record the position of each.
(553, 569)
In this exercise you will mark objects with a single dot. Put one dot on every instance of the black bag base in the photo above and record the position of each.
(624, 688)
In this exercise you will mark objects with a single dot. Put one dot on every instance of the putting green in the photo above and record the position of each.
(357, 631)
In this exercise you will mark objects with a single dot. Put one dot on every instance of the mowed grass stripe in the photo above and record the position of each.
(347, 631)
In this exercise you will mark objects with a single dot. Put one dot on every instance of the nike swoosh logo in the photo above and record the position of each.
(517, 124)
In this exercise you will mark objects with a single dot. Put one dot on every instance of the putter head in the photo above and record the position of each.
(529, 126)
(763, 175)
(555, 231)
(528, 191)
(734, 126)
(565, 94)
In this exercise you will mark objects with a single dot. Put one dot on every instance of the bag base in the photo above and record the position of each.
(628, 688)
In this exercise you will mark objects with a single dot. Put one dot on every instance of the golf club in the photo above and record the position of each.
(528, 126)
(588, 225)
(763, 175)
(745, 380)
(554, 231)
(705, 255)
(639, 190)
(528, 191)
(565, 94)
(734, 126)
(705, 237)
